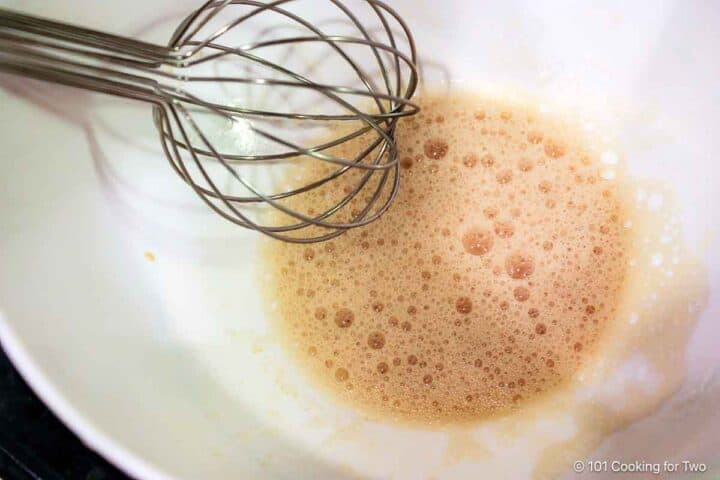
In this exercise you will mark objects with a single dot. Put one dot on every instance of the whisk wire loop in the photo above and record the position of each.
(210, 139)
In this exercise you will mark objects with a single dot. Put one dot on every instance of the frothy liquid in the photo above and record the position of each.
(488, 283)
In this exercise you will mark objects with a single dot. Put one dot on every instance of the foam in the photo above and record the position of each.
(488, 283)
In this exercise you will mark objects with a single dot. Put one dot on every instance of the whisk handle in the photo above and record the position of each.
(80, 57)
(127, 48)
(73, 79)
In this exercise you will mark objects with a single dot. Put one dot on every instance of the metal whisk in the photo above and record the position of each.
(228, 107)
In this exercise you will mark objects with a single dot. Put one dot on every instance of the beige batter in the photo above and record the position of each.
(490, 281)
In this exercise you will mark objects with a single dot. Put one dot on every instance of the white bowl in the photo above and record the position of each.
(167, 367)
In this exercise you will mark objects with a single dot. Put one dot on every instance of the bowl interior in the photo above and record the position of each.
(136, 313)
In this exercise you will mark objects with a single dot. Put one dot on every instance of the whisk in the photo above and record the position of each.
(225, 105)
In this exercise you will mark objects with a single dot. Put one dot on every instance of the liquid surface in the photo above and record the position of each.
(489, 282)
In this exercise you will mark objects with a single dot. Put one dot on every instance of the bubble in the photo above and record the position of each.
(534, 137)
(487, 160)
(490, 212)
(470, 160)
(344, 317)
(597, 250)
(505, 116)
(547, 245)
(504, 177)
(577, 347)
(554, 149)
(550, 363)
(478, 363)
(540, 329)
(519, 265)
(376, 340)
(479, 115)
(406, 163)
(427, 379)
(320, 313)
(436, 148)
(378, 307)
(544, 186)
(463, 305)
(341, 374)
(382, 368)
(412, 360)
(504, 229)
(525, 165)
(397, 361)
(521, 294)
(407, 326)
(477, 241)
(590, 309)
(312, 351)
(309, 254)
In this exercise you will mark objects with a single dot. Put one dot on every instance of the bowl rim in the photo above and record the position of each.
(98, 441)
